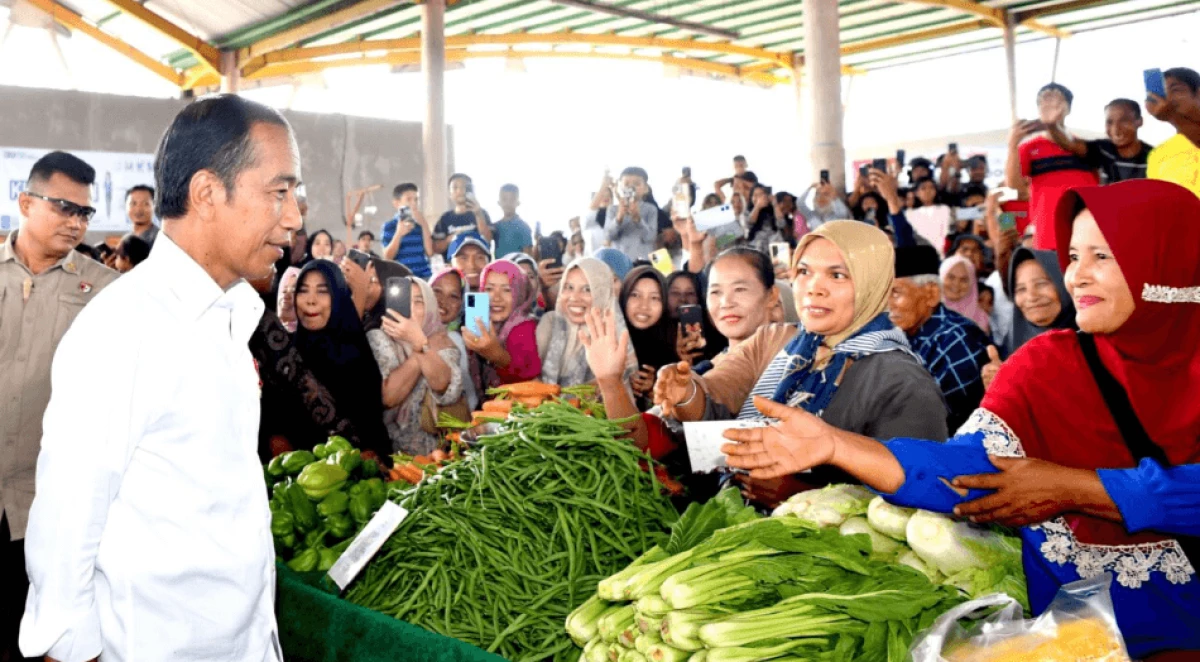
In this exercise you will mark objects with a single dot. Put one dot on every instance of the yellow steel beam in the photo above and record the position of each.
(413, 44)
(913, 37)
(206, 52)
(315, 27)
(72, 20)
(996, 17)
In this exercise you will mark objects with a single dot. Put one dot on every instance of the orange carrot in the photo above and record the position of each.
(498, 406)
(525, 389)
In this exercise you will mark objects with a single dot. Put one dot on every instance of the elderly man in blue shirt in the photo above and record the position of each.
(953, 348)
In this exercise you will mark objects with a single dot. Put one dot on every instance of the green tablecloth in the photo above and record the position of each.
(317, 626)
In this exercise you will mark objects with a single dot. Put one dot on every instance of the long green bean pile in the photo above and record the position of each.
(501, 547)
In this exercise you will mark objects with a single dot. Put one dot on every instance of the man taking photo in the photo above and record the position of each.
(149, 537)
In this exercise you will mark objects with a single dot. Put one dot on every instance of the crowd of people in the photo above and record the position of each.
(959, 325)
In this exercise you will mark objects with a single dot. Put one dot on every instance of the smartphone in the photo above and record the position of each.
(661, 260)
(358, 257)
(690, 315)
(681, 201)
(630, 194)
(1155, 83)
(952, 148)
(1008, 221)
(687, 171)
(781, 254)
(397, 295)
(405, 214)
(900, 158)
(550, 249)
(824, 176)
(471, 198)
(880, 165)
(479, 311)
(864, 171)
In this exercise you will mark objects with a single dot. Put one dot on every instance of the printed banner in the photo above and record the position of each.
(116, 172)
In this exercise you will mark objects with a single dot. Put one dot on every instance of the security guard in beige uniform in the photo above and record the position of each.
(44, 283)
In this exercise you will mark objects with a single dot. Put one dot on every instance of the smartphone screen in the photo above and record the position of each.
(880, 165)
(479, 311)
(1155, 83)
(1008, 221)
(398, 295)
(824, 176)
(550, 249)
(358, 257)
(689, 315)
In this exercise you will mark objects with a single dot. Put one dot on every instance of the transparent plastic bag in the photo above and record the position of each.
(1078, 626)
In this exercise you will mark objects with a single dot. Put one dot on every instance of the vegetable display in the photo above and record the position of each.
(732, 587)
(500, 547)
(319, 501)
(978, 561)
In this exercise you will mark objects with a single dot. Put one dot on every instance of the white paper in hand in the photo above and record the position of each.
(705, 439)
(366, 544)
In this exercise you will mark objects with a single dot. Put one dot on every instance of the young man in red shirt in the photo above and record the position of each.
(1041, 168)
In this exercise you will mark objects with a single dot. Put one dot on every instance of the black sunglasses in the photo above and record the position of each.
(66, 207)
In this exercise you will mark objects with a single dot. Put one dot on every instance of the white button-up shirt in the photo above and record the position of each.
(149, 536)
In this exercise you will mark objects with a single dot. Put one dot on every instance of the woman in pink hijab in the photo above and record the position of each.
(507, 348)
(960, 290)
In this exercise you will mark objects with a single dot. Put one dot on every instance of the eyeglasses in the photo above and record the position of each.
(66, 207)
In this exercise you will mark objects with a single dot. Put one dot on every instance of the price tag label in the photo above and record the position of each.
(704, 441)
(367, 544)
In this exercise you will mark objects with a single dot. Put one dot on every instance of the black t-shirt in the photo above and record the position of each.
(450, 221)
(1103, 155)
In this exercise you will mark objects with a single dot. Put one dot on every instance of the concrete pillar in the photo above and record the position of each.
(823, 60)
(801, 125)
(231, 74)
(435, 192)
(1010, 59)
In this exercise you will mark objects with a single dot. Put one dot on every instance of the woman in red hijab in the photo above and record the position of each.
(1095, 458)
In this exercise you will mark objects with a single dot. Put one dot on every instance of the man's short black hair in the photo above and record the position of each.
(511, 188)
(401, 189)
(140, 187)
(974, 189)
(459, 175)
(213, 134)
(366, 233)
(1129, 104)
(1186, 76)
(634, 171)
(739, 157)
(1060, 88)
(69, 165)
(134, 248)
(748, 176)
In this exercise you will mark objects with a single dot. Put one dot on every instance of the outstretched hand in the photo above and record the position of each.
(797, 442)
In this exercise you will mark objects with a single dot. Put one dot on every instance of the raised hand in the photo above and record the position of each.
(604, 348)
(797, 442)
(675, 385)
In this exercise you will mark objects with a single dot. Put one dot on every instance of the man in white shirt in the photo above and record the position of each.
(149, 536)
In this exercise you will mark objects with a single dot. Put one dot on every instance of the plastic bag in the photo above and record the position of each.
(1079, 625)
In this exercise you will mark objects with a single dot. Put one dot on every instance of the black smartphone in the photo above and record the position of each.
(358, 257)
(690, 315)
(864, 171)
(824, 176)
(879, 164)
(398, 295)
(550, 249)
(687, 171)
(953, 148)
(900, 158)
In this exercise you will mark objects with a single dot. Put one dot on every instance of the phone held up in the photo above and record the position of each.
(1155, 83)
(824, 176)
(358, 257)
(479, 311)
(661, 260)
(879, 164)
(689, 315)
(781, 254)
(550, 249)
(397, 293)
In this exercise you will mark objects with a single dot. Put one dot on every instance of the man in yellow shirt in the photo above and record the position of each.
(1178, 159)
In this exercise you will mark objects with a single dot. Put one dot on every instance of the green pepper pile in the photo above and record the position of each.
(320, 500)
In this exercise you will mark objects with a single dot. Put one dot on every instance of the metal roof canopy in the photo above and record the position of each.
(750, 40)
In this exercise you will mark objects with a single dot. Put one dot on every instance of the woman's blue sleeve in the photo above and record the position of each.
(1153, 498)
(903, 230)
(929, 466)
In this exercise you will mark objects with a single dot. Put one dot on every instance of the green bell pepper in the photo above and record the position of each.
(303, 511)
(340, 525)
(319, 480)
(321, 451)
(282, 523)
(275, 466)
(285, 543)
(370, 468)
(315, 539)
(348, 460)
(327, 557)
(278, 490)
(305, 561)
(377, 490)
(362, 507)
(333, 504)
(336, 443)
(294, 461)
